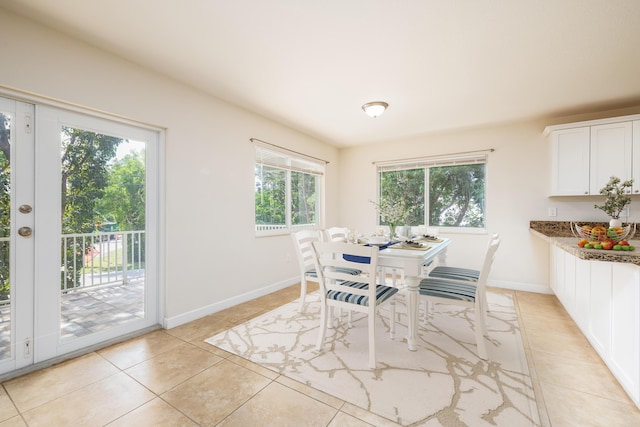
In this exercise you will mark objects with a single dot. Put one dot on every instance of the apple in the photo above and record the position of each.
(597, 246)
(623, 243)
(607, 245)
(631, 247)
(617, 247)
(625, 247)
(588, 246)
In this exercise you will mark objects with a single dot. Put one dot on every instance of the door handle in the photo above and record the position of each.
(25, 231)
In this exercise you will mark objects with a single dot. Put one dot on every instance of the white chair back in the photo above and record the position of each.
(489, 256)
(334, 258)
(303, 242)
(336, 234)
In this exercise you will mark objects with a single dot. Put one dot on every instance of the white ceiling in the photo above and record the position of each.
(310, 64)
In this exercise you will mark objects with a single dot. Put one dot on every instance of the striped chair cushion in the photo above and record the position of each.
(312, 272)
(455, 273)
(383, 293)
(351, 271)
(446, 289)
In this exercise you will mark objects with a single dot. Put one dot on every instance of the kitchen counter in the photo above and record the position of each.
(559, 234)
(603, 298)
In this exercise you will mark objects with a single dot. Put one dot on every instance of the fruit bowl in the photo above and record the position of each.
(601, 233)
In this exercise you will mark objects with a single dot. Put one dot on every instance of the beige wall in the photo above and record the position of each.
(516, 181)
(213, 259)
(518, 184)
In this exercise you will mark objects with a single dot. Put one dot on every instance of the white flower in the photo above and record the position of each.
(392, 213)
(617, 196)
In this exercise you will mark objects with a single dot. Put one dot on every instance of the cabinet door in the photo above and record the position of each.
(610, 154)
(599, 333)
(583, 292)
(570, 174)
(556, 270)
(569, 294)
(625, 327)
(636, 157)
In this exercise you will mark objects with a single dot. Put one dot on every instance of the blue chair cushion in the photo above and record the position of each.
(455, 273)
(383, 293)
(445, 289)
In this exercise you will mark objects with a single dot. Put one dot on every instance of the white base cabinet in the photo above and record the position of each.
(603, 298)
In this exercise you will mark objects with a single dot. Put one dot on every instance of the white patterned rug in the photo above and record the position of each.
(442, 383)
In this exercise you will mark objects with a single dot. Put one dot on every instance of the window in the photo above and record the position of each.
(287, 191)
(441, 192)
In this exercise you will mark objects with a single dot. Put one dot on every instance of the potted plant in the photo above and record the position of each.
(393, 213)
(617, 192)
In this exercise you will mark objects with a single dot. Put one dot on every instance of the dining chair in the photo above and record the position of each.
(336, 234)
(357, 293)
(466, 294)
(303, 242)
(460, 274)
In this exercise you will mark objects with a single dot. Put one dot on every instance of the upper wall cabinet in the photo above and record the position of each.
(611, 148)
(635, 172)
(570, 163)
(586, 154)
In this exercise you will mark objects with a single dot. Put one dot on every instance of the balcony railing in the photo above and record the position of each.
(105, 258)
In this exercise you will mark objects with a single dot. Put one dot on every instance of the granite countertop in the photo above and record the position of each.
(559, 233)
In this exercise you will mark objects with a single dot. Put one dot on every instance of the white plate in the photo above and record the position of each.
(377, 240)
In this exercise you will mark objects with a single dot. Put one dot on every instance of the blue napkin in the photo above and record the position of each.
(365, 259)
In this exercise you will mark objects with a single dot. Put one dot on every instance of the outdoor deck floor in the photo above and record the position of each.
(87, 311)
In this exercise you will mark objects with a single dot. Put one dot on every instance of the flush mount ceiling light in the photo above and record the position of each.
(374, 109)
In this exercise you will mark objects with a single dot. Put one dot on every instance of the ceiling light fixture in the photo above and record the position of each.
(374, 109)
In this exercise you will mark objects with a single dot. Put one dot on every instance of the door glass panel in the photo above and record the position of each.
(103, 232)
(5, 227)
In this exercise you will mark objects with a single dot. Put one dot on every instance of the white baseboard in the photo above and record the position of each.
(172, 322)
(518, 286)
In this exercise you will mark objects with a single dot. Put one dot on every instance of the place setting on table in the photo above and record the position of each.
(406, 239)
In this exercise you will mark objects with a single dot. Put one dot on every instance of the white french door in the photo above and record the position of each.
(17, 267)
(81, 269)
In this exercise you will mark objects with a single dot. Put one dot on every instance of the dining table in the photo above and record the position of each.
(412, 263)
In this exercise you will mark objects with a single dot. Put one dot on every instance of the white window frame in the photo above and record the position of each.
(470, 158)
(289, 161)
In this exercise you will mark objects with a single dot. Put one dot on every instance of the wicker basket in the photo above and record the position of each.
(600, 233)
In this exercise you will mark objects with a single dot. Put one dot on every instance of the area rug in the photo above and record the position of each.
(442, 383)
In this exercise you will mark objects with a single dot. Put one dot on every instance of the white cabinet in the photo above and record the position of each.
(583, 293)
(603, 298)
(569, 288)
(556, 269)
(599, 329)
(570, 175)
(625, 327)
(610, 154)
(635, 173)
(586, 154)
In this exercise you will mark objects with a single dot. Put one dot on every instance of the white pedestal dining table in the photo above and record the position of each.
(411, 262)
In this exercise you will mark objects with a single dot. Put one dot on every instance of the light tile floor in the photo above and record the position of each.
(172, 378)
